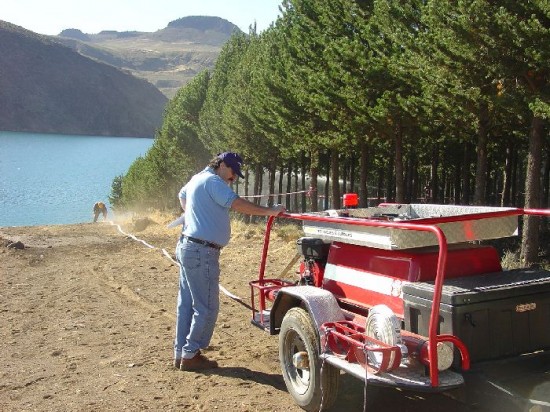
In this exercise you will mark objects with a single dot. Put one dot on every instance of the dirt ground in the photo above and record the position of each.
(87, 321)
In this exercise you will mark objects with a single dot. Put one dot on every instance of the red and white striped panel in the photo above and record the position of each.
(365, 288)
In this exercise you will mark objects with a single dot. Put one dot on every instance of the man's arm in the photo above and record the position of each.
(249, 208)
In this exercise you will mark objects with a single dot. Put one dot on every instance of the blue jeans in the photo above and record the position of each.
(198, 297)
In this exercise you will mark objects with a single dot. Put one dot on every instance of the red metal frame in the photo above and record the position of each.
(267, 289)
(349, 340)
(423, 225)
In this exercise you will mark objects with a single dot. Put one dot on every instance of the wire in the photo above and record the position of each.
(277, 194)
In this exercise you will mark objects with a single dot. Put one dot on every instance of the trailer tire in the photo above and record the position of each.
(313, 388)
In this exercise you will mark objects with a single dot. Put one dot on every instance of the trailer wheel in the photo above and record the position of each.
(301, 365)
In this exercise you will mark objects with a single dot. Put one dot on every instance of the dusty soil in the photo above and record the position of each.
(87, 319)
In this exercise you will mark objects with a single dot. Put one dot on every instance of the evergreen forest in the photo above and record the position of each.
(431, 101)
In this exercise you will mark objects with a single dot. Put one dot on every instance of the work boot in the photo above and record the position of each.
(177, 361)
(197, 362)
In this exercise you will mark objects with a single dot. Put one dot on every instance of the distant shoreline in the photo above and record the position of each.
(73, 134)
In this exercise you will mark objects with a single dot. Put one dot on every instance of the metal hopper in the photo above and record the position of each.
(458, 223)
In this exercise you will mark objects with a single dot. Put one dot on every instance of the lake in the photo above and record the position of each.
(56, 179)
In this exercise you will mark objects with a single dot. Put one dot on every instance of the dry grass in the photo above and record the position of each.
(510, 260)
(154, 222)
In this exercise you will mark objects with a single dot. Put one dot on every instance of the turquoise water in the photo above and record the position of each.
(56, 179)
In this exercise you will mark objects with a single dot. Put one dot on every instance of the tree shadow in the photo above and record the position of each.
(351, 394)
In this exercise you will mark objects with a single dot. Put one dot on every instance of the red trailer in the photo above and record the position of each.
(402, 295)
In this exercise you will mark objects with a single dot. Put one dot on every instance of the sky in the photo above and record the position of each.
(92, 16)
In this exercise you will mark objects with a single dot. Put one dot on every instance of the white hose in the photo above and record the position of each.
(165, 253)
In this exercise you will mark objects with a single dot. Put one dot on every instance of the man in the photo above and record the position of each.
(206, 200)
(99, 207)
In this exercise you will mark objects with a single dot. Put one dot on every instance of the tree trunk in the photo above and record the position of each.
(514, 177)
(507, 175)
(363, 167)
(247, 218)
(281, 180)
(327, 183)
(390, 172)
(303, 183)
(296, 203)
(379, 189)
(545, 228)
(270, 198)
(314, 187)
(409, 177)
(444, 178)
(345, 176)
(236, 185)
(490, 185)
(416, 180)
(433, 193)
(335, 170)
(530, 240)
(456, 184)
(352, 186)
(466, 175)
(546, 178)
(399, 183)
(481, 148)
(258, 187)
(288, 185)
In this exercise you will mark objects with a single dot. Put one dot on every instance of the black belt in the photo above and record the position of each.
(200, 241)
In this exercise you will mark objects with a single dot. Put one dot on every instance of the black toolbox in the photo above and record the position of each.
(496, 314)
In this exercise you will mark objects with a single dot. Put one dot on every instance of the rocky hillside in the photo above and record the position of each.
(168, 58)
(46, 87)
(87, 87)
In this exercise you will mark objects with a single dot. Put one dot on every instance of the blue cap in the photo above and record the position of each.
(233, 160)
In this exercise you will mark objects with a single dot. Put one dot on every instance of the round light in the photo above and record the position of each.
(445, 355)
(383, 325)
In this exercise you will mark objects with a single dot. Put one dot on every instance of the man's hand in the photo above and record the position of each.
(277, 210)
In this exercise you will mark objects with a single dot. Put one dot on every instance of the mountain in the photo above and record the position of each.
(46, 87)
(167, 58)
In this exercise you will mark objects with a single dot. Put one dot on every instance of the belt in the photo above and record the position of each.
(200, 241)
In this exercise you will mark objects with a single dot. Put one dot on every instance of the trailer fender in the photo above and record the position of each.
(321, 305)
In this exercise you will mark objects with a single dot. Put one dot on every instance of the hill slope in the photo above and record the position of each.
(168, 58)
(46, 87)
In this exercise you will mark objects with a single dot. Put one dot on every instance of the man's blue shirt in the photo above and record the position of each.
(207, 202)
